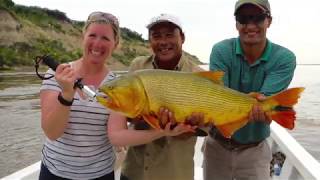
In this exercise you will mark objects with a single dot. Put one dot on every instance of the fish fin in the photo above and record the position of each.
(285, 118)
(228, 129)
(283, 103)
(215, 76)
(287, 98)
(152, 121)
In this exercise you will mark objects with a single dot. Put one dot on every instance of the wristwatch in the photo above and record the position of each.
(64, 101)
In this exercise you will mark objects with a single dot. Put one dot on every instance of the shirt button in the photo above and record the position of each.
(147, 154)
(146, 168)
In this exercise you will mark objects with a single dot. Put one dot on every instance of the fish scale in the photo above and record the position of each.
(196, 95)
(144, 92)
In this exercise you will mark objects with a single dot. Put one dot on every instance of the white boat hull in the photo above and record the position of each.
(299, 164)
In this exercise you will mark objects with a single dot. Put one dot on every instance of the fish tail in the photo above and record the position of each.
(282, 106)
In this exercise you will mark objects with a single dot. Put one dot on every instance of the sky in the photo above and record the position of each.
(295, 25)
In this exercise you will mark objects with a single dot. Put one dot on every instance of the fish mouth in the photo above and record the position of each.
(110, 101)
(107, 100)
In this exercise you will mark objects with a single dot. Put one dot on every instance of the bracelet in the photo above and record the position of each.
(64, 101)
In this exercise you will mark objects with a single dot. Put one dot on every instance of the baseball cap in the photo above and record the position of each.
(165, 18)
(262, 4)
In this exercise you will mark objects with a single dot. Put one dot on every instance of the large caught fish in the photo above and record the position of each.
(143, 92)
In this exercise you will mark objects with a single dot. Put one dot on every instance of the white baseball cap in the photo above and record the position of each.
(165, 18)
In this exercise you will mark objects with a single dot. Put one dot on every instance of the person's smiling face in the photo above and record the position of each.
(166, 41)
(98, 42)
(252, 24)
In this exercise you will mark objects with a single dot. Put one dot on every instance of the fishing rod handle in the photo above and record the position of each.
(49, 61)
(53, 64)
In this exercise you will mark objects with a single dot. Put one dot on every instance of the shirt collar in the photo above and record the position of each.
(178, 66)
(265, 56)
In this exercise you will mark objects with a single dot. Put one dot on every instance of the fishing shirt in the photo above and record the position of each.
(269, 74)
(165, 158)
(83, 151)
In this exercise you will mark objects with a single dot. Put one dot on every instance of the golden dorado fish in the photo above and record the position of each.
(143, 92)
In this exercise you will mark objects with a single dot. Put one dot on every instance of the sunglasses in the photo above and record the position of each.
(101, 16)
(256, 19)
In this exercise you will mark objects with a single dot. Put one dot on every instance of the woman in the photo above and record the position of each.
(77, 146)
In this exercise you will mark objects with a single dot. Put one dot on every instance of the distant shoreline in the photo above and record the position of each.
(308, 64)
(32, 68)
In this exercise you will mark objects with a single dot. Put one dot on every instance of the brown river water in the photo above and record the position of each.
(21, 136)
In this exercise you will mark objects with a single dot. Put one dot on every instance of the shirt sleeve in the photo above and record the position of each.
(217, 63)
(279, 78)
(137, 63)
(50, 84)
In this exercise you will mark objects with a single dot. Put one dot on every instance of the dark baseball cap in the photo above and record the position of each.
(262, 4)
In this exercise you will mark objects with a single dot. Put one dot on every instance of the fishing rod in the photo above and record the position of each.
(53, 64)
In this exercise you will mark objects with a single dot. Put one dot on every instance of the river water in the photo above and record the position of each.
(21, 136)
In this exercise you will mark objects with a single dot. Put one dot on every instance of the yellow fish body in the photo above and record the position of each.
(143, 92)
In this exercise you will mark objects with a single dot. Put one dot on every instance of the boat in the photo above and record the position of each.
(299, 164)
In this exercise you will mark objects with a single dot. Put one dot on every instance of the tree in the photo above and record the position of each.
(6, 3)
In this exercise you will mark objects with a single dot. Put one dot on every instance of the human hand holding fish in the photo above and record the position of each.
(165, 116)
(257, 114)
(169, 124)
(195, 119)
(179, 128)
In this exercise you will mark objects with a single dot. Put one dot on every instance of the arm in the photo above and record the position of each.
(218, 62)
(276, 80)
(120, 135)
(279, 77)
(54, 115)
(137, 63)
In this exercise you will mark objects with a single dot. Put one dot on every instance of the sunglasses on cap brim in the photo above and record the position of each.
(96, 16)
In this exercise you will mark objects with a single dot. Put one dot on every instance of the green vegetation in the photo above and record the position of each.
(44, 18)
(6, 3)
(22, 53)
(129, 35)
(34, 31)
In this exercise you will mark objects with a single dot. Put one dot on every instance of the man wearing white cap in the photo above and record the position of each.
(169, 158)
(251, 63)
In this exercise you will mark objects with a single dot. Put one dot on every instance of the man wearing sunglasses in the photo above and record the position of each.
(251, 63)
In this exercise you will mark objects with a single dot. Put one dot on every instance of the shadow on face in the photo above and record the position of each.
(252, 23)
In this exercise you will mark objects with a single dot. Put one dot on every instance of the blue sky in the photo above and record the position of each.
(296, 25)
